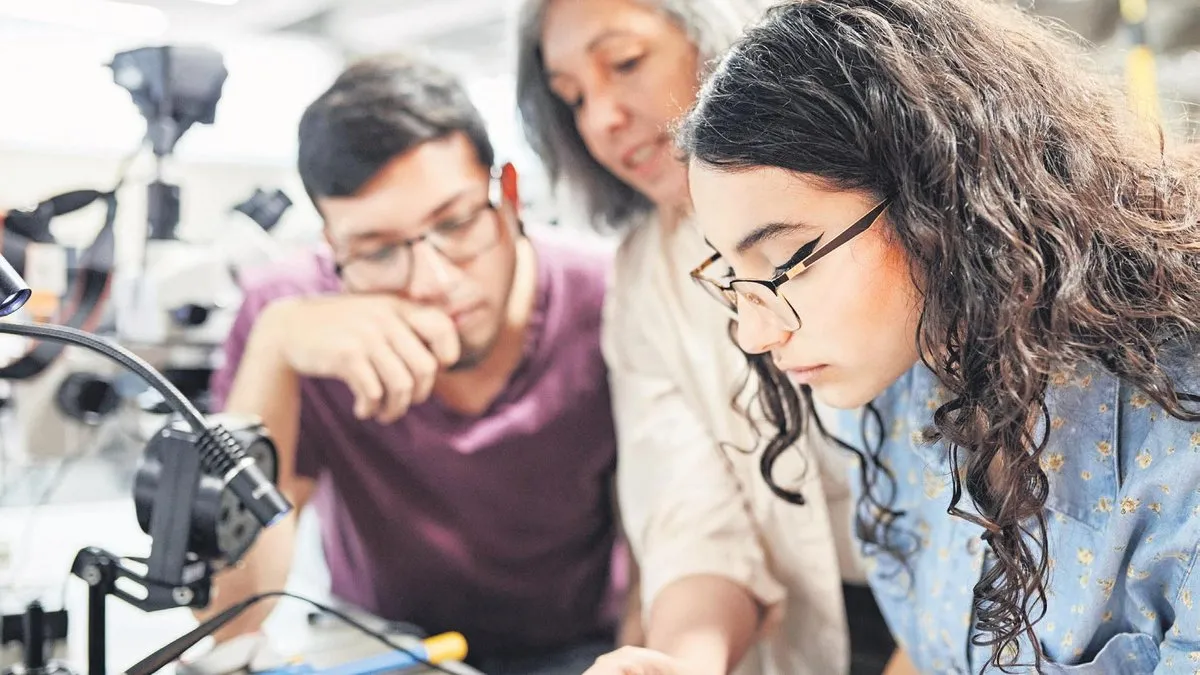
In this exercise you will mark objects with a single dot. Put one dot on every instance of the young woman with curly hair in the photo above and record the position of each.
(949, 248)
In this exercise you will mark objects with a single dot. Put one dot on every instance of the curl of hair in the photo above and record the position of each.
(1045, 226)
(786, 410)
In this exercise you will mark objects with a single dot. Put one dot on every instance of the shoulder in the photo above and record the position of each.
(1146, 425)
(302, 273)
(633, 258)
(576, 274)
(584, 263)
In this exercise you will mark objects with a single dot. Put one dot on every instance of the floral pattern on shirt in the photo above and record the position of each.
(1123, 521)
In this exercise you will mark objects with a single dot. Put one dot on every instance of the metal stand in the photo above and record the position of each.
(173, 578)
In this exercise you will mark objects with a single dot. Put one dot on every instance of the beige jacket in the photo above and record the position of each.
(691, 503)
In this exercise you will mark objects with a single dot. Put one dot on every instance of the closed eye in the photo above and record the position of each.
(382, 254)
(628, 65)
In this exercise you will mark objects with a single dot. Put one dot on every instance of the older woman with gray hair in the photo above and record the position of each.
(733, 578)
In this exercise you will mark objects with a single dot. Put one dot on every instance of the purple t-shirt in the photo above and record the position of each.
(498, 526)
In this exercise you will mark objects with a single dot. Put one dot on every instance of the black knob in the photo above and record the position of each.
(35, 637)
(190, 315)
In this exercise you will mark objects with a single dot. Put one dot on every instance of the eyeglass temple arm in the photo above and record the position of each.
(847, 234)
(699, 271)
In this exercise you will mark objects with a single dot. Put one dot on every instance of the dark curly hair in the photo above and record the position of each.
(1044, 224)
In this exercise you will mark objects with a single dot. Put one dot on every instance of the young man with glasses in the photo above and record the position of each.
(434, 383)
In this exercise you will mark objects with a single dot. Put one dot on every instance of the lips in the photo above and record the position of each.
(641, 154)
(465, 313)
(805, 374)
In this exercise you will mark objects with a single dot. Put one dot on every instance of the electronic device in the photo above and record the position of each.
(203, 492)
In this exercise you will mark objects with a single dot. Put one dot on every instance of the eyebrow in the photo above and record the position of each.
(767, 232)
(432, 216)
(604, 36)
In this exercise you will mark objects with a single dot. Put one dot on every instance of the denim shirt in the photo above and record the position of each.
(1123, 524)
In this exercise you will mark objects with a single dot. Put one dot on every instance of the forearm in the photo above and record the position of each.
(705, 620)
(266, 388)
(900, 664)
(264, 568)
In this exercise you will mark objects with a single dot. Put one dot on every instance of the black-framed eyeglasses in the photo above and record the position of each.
(764, 293)
(458, 239)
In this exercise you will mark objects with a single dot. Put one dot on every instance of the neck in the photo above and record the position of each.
(673, 213)
(472, 391)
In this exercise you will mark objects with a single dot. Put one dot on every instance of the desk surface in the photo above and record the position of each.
(62, 529)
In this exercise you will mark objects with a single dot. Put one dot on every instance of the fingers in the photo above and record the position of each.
(364, 383)
(633, 661)
(406, 368)
(422, 365)
(396, 379)
(436, 330)
(394, 360)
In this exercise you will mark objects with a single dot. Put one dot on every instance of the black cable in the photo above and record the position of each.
(177, 647)
(367, 631)
(117, 353)
(220, 453)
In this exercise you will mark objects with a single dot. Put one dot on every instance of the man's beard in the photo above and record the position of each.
(472, 354)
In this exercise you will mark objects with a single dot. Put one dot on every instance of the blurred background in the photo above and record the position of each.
(71, 434)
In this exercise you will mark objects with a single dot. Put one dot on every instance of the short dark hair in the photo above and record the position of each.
(378, 109)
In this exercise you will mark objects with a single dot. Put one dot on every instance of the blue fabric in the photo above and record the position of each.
(1123, 525)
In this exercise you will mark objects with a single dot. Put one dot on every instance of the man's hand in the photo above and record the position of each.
(386, 350)
(639, 661)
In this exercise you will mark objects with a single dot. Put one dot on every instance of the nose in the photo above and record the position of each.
(432, 275)
(603, 113)
(758, 332)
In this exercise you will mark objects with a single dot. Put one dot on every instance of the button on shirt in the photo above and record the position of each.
(1123, 523)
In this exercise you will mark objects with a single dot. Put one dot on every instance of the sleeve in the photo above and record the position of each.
(234, 347)
(683, 508)
(311, 434)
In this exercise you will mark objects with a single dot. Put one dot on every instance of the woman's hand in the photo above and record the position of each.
(640, 661)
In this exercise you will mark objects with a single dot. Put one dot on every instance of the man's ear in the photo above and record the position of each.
(510, 193)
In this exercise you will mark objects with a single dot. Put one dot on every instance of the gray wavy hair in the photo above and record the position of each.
(549, 124)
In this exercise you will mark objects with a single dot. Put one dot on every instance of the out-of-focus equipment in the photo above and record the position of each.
(436, 649)
(203, 492)
(37, 632)
(179, 306)
(87, 397)
(200, 519)
(13, 290)
(430, 652)
(173, 87)
(265, 208)
(1140, 76)
(28, 230)
(189, 294)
